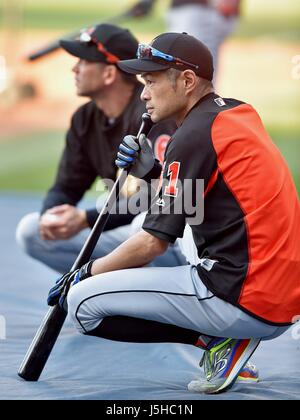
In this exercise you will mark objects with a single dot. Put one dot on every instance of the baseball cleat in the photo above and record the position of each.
(249, 373)
(223, 362)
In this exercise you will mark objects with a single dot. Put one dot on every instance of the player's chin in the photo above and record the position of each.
(82, 92)
(156, 116)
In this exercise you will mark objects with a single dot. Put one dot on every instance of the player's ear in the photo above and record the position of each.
(189, 80)
(110, 74)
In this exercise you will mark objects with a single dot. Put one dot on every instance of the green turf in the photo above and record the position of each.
(30, 164)
(279, 19)
(289, 145)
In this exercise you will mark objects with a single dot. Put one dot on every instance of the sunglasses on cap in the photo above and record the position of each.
(86, 38)
(148, 52)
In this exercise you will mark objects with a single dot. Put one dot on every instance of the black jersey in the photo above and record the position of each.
(248, 239)
(90, 152)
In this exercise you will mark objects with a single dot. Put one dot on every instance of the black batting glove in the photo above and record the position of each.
(137, 155)
(58, 293)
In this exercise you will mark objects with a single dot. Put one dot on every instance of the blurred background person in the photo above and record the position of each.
(211, 21)
(51, 236)
(56, 235)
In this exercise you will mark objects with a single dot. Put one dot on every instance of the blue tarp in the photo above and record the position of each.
(91, 368)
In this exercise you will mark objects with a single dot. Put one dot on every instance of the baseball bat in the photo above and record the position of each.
(48, 332)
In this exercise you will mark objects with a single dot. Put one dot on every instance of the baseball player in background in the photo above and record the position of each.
(211, 21)
(245, 286)
(56, 235)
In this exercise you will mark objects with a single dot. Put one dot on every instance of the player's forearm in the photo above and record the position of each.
(137, 251)
(58, 195)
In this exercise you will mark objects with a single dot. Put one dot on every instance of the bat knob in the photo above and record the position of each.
(147, 123)
(146, 116)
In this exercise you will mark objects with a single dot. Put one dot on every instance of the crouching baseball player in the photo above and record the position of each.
(245, 285)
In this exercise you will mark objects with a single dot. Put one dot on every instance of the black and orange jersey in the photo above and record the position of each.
(248, 241)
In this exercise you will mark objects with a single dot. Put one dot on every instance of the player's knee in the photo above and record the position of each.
(83, 319)
(27, 232)
(72, 303)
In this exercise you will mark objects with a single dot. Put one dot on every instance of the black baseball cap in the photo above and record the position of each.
(103, 43)
(189, 52)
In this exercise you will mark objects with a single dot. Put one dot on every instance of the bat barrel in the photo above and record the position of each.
(44, 51)
(42, 344)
